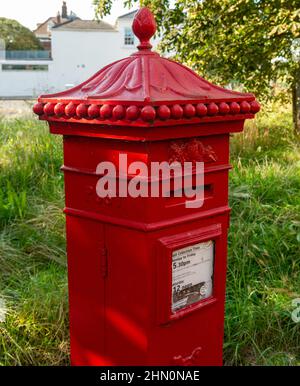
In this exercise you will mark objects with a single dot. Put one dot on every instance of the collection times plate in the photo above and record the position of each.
(192, 274)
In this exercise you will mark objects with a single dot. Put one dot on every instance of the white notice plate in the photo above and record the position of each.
(192, 274)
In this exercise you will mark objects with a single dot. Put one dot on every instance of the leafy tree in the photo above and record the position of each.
(17, 37)
(253, 42)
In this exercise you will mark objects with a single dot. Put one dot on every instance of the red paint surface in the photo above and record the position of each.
(119, 249)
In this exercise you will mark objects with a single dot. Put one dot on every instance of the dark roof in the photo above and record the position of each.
(42, 27)
(79, 24)
(128, 14)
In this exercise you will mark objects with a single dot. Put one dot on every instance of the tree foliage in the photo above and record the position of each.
(253, 42)
(17, 37)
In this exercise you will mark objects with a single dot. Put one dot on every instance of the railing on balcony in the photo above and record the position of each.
(28, 55)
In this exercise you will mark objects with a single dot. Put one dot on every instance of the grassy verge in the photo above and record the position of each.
(33, 282)
(264, 241)
(264, 244)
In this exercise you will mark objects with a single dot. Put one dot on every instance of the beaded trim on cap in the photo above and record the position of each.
(84, 111)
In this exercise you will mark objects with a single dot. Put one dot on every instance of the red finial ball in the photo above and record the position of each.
(105, 111)
(201, 109)
(235, 108)
(212, 109)
(189, 110)
(176, 111)
(224, 108)
(81, 110)
(148, 113)
(164, 112)
(93, 111)
(49, 108)
(132, 113)
(70, 110)
(118, 112)
(255, 107)
(59, 109)
(38, 108)
(144, 27)
(245, 107)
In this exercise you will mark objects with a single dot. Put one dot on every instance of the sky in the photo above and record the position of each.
(31, 12)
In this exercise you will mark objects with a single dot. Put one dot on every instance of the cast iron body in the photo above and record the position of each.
(120, 249)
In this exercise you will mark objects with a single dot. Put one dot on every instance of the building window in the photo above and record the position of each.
(128, 37)
(24, 67)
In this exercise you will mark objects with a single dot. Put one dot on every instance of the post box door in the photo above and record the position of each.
(127, 296)
(86, 271)
(190, 277)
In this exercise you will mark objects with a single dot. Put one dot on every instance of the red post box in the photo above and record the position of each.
(146, 274)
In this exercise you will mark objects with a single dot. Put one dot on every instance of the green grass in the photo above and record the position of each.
(33, 279)
(264, 245)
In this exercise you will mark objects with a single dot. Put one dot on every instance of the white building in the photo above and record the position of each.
(79, 49)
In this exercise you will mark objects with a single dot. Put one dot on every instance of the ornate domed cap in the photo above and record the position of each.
(147, 89)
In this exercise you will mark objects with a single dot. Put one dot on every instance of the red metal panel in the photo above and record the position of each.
(85, 247)
(128, 306)
(194, 335)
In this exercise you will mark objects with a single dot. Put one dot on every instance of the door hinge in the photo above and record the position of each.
(104, 262)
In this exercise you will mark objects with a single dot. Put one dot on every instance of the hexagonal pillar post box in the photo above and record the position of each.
(146, 272)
